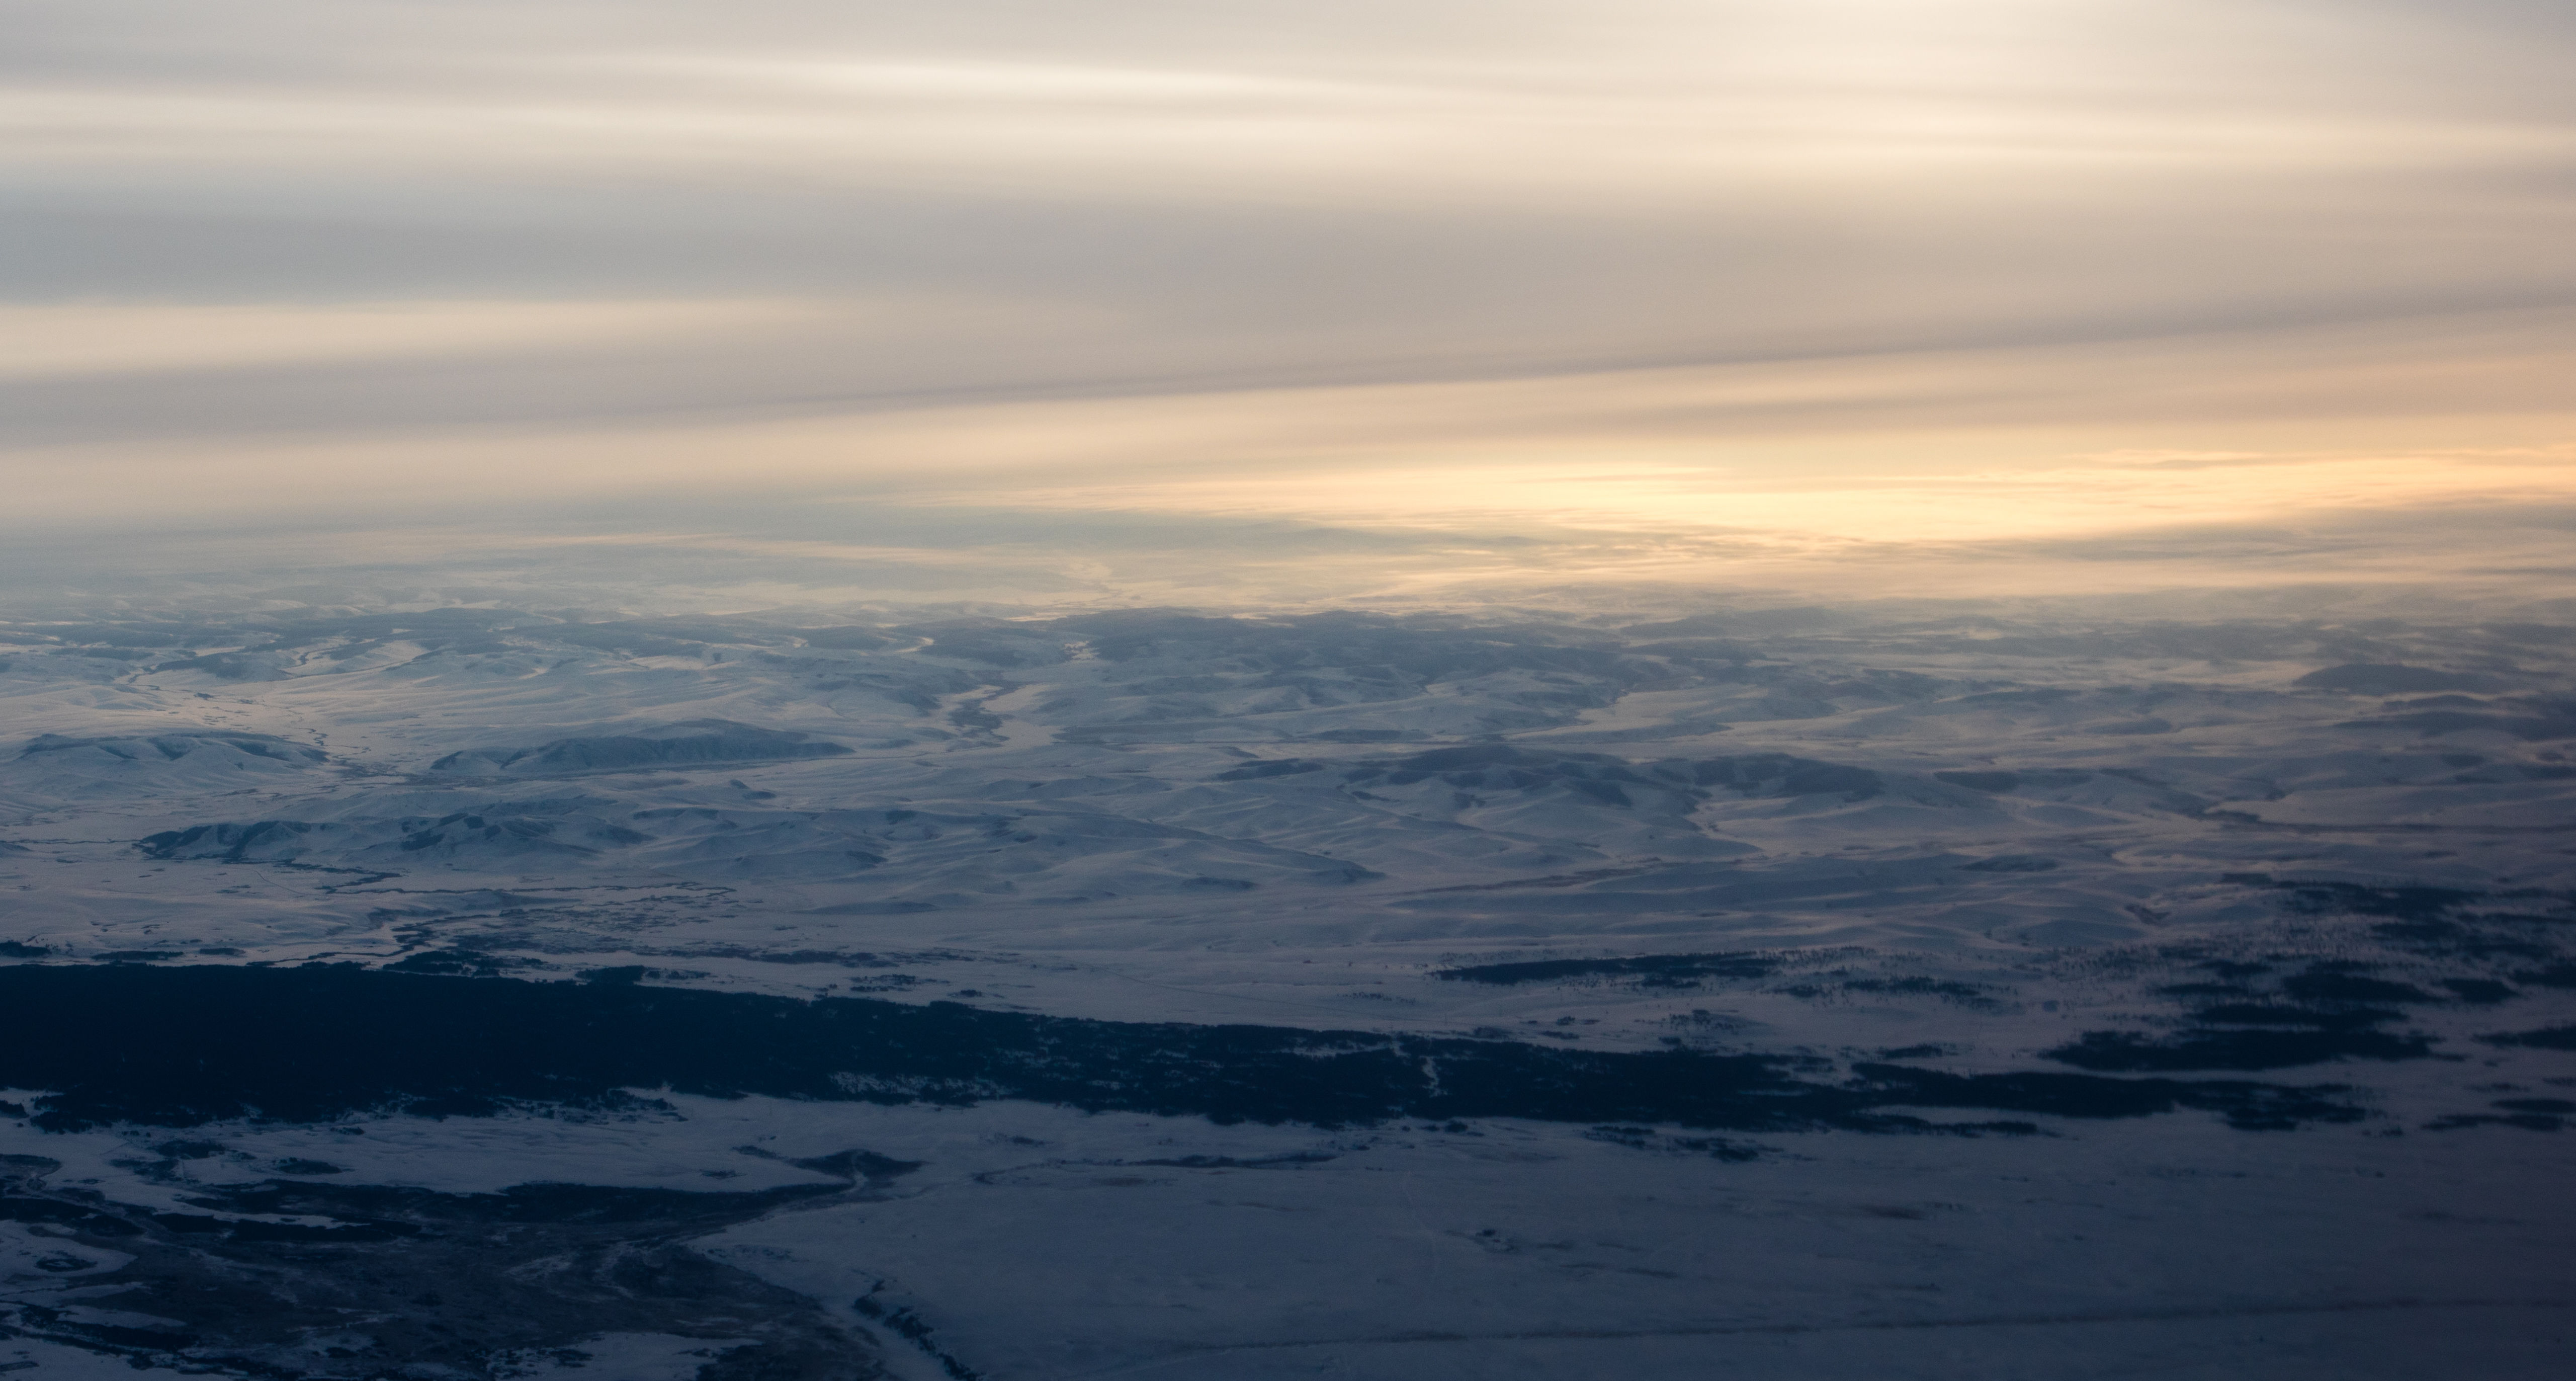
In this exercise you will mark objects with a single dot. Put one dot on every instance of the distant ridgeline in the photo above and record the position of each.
(203, 1043)
(689, 743)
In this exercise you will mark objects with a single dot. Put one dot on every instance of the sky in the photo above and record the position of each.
(1323, 300)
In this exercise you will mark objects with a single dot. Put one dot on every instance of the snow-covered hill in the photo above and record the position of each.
(2113, 904)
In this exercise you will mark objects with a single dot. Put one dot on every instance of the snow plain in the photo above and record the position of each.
(2337, 858)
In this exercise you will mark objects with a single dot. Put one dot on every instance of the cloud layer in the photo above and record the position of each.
(1440, 265)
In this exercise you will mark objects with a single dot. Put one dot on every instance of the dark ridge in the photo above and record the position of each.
(2451, 938)
(2434, 723)
(2431, 919)
(2345, 898)
(1657, 970)
(1779, 774)
(1648, 1139)
(235, 1230)
(2377, 678)
(1289, 1161)
(858, 1165)
(1964, 994)
(2131, 1052)
(2546, 1038)
(229, 842)
(2206, 990)
(2344, 987)
(1283, 767)
(1500, 767)
(691, 743)
(2528, 1121)
(227, 666)
(2246, 1105)
(204, 1043)
(2226, 968)
(2256, 1032)
(2036, 695)
(2011, 863)
(2267, 1014)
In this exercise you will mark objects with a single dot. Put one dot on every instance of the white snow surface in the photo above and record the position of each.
(1960, 835)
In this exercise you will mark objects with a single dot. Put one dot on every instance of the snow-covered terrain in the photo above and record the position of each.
(1801, 992)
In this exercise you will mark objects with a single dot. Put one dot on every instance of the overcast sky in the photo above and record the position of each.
(1847, 271)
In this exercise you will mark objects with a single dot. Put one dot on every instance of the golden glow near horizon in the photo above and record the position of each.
(1835, 272)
